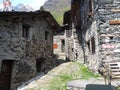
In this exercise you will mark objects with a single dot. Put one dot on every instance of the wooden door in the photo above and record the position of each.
(5, 75)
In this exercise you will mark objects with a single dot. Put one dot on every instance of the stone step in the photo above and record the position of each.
(113, 61)
(115, 70)
(115, 77)
(98, 87)
(116, 73)
(114, 66)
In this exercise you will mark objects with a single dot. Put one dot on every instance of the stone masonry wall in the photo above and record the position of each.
(84, 36)
(109, 39)
(103, 27)
(73, 48)
(24, 51)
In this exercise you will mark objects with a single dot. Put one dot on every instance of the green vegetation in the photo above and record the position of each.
(59, 83)
(71, 72)
(86, 73)
(59, 15)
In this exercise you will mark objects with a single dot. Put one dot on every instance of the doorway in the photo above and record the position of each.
(39, 62)
(5, 75)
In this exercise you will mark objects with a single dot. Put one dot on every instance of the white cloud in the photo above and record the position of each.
(1, 6)
(36, 4)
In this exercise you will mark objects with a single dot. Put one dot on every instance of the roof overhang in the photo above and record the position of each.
(44, 14)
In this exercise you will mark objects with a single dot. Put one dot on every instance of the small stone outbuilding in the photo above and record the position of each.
(26, 46)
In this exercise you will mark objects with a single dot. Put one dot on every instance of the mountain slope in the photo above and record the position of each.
(57, 8)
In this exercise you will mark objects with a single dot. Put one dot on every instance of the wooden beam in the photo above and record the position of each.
(115, 10)
(114, 22)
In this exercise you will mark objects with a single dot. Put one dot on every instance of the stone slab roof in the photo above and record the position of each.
(44, 14)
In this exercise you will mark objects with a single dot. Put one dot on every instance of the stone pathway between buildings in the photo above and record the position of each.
(42, 79)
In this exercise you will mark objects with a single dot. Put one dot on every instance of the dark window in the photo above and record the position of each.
(88, 44)
(63, 45)
(25, 31)
(93, 44)
(46, 35)
(90, 6)
(111, 38)
(39, 62)
(72, 49)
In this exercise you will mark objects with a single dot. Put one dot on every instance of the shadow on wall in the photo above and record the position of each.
(40, 70)
(99, 87)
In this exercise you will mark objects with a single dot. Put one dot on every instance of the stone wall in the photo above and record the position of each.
(24, 51)
(109, 43)
(82, 34)
(74, 50)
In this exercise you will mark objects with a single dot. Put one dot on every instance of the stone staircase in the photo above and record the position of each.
(115, 70)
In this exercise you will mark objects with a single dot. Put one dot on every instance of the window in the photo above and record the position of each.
(88, 44)
(46, 35)
(111, 38)
(25, 30)
(93, 44)
(39, 62)
(63, 45)
(90, 6)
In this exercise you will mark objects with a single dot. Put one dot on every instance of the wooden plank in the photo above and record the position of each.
(115, 10)
(114, 22)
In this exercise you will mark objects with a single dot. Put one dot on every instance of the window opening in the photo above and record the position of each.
(46, 35)
(63, 45)
(93, 44)
(90, 6)
(111, 38)
(25, 30)
(88, 44)
(39, 62)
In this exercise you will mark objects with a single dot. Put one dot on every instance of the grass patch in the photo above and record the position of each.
(86, 73)
(59, 83)
(81, 72)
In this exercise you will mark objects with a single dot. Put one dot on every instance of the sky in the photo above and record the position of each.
(36, 4)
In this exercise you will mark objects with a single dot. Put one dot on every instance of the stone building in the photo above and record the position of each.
(93, 33)
(26, 46)
(59, 45)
